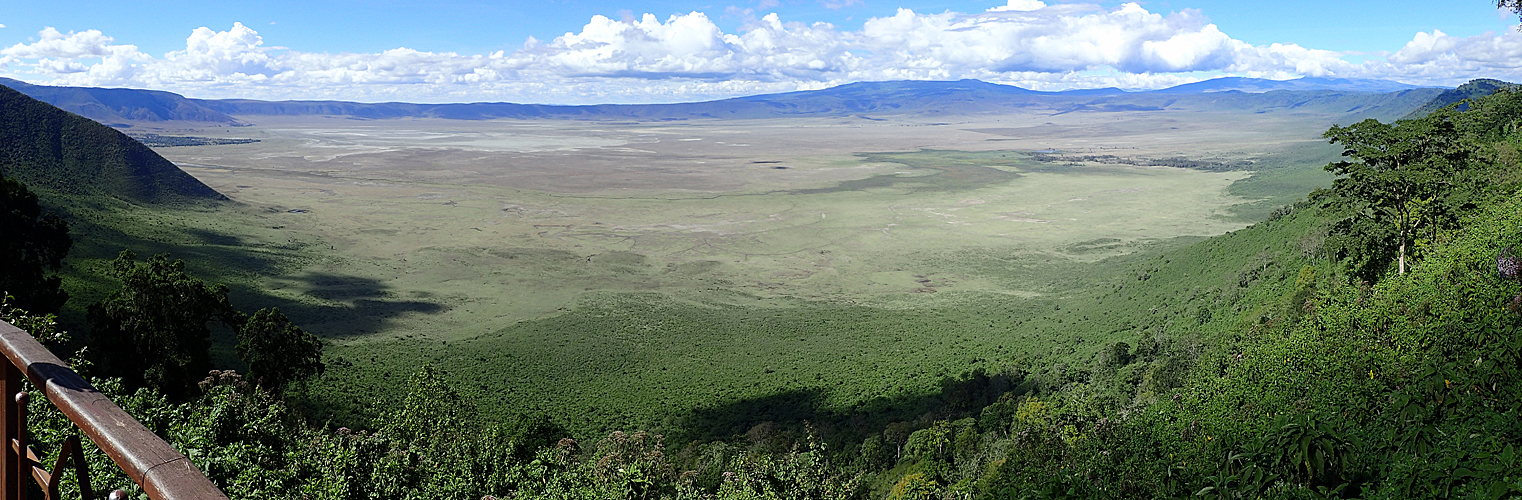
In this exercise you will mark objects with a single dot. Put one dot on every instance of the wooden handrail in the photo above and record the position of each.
(163, 472)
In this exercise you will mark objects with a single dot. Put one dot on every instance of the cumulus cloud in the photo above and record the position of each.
(53, 44)
(1049, 40)
(236, 54)
(58, 54)
(689, 57)
(1436, 56)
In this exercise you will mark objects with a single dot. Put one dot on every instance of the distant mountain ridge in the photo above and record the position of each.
(111, 106)
(51, 150)
(1472, 90)
(1376, 98)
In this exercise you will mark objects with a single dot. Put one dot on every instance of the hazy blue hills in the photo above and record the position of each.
(869, 99)
(52, 150)
(1354, 98)
(121, 106)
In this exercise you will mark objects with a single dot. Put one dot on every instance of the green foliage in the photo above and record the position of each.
(44, 328)
(915, 486)
(1402, 175)
(153, 332)
(276, 351)
(529, 433)
(1492, 117)
(433, 412)
(34, 244)
(1473, 89)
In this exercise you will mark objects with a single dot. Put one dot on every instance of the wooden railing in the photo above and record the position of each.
(162, 472)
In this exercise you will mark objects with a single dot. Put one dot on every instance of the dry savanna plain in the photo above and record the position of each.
(617, 273)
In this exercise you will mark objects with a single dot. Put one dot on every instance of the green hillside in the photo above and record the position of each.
(52, 150)
(115, 193)
(1475, 89)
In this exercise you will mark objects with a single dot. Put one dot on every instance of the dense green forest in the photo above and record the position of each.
(1361, 343)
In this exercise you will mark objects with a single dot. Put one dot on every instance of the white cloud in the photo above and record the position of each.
(235, 53)
(53, 44)
(1020, 5)
(1437, 57)
(1289, 61)
(57, 55)
(1057, 39)
(688, 57)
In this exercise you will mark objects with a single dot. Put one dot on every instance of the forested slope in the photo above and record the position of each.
(1474, 89)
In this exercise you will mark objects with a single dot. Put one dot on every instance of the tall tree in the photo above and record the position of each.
(31, 244)
(278, 352)
(153, 331)
(1400, 172)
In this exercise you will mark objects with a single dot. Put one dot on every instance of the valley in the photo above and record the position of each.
(508, 221)
(1105, 298)
(474, 242)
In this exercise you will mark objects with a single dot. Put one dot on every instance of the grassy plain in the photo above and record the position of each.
(622, 274)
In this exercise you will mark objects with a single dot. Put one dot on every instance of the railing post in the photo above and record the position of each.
(12, 465)
(163, 472)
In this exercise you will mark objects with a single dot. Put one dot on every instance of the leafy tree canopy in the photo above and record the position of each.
(278, 352)
(153, 331)
(432, 411)
(32, 244)
(1400, 175)
(1493, 117)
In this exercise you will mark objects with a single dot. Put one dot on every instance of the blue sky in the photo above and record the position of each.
(475, 50)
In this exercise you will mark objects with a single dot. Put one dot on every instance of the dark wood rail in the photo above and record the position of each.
(158, 468)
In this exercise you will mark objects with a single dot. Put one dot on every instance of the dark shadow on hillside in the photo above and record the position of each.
(339, 305)
(211, 238)
(203, 251)
(350, 305)
(95, 245)
(785, 413)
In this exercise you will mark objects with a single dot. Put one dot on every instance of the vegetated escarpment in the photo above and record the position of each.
(1475, 89)
(50, 149)
(114, 106)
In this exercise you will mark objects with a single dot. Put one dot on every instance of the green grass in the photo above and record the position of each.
(703, 316)
(1283, 178)
(714, 364)
(250, 250)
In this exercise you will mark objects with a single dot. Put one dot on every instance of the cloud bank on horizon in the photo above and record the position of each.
(688, 57)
